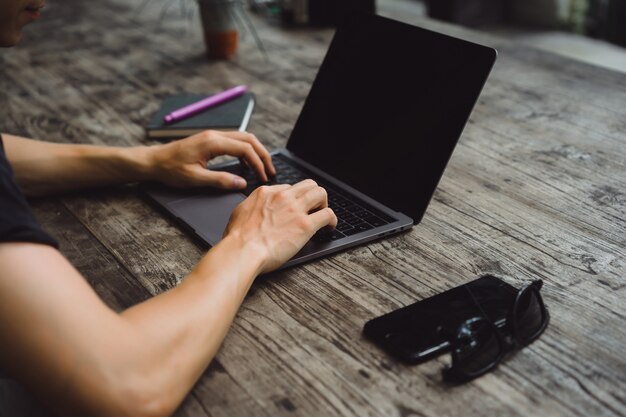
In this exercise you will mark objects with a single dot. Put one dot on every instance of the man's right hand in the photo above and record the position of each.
(277, 221)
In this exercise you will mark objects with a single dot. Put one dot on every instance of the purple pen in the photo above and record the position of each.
(204, 104)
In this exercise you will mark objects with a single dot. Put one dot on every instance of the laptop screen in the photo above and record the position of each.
(387, 108)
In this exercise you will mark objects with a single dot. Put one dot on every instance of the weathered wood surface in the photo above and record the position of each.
(535, 189)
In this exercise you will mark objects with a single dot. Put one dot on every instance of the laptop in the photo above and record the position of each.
(377, 129)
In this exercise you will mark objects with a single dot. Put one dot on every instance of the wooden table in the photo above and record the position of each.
(535, 189)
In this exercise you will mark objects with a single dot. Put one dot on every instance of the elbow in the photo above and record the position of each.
(124, 396)
(141, 400)
(136, 402)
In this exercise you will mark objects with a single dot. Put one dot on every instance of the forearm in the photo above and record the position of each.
(185, 326)
(43, 168)
(86, 360)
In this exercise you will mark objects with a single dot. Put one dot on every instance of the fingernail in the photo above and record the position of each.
(239, 182)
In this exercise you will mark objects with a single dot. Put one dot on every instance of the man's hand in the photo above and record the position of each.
(183, 163)
(43, 168)
(276, 221)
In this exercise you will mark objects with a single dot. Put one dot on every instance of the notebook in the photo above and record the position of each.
(377, 129)
(232, 115)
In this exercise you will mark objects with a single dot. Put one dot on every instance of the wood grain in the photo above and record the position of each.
(535, 189)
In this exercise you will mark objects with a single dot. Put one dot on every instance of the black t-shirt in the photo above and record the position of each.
(17, 222)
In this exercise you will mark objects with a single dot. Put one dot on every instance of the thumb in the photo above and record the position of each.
(218, 179)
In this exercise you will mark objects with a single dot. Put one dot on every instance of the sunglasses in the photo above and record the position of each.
(479, 345)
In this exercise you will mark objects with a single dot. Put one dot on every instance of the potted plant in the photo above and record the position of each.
(221, 34)
(221, 21)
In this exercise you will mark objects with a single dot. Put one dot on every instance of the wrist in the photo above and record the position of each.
(139, 161)
(250, 257)
(232, 264)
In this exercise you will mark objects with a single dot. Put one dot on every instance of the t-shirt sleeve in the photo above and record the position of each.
(17, 222)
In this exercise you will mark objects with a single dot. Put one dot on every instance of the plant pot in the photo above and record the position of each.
(221, 35)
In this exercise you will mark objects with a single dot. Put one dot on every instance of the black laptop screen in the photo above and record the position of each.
(387, 108)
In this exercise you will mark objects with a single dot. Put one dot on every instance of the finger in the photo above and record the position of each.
(224, 145)
(314, 198)
(244, 164)
(324, 217)
(302, 187)
(270, 189)
(258, 148)
(219, 179)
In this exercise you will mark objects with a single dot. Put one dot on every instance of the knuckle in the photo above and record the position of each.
(304, 222)
(207, 134)
(283, 196)
(247, 148)
(264, 191)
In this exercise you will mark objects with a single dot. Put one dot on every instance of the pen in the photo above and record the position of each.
(204, 104)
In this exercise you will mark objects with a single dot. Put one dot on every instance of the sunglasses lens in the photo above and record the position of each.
(530, 316)
(478, 347)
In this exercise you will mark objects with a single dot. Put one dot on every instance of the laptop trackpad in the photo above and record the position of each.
(207, 215)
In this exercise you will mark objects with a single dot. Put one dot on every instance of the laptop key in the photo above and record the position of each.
(361, 212)
(375, 221)
(358, 228)
(343, 226)
(351, 218)
(327, 235)
(339, 212)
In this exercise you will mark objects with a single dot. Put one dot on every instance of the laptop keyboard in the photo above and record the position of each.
(353, 215)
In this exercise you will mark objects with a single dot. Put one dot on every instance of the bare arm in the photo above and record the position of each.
(84, 359)
(44, 168)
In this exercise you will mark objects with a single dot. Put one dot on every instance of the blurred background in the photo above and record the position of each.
(589, 30)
